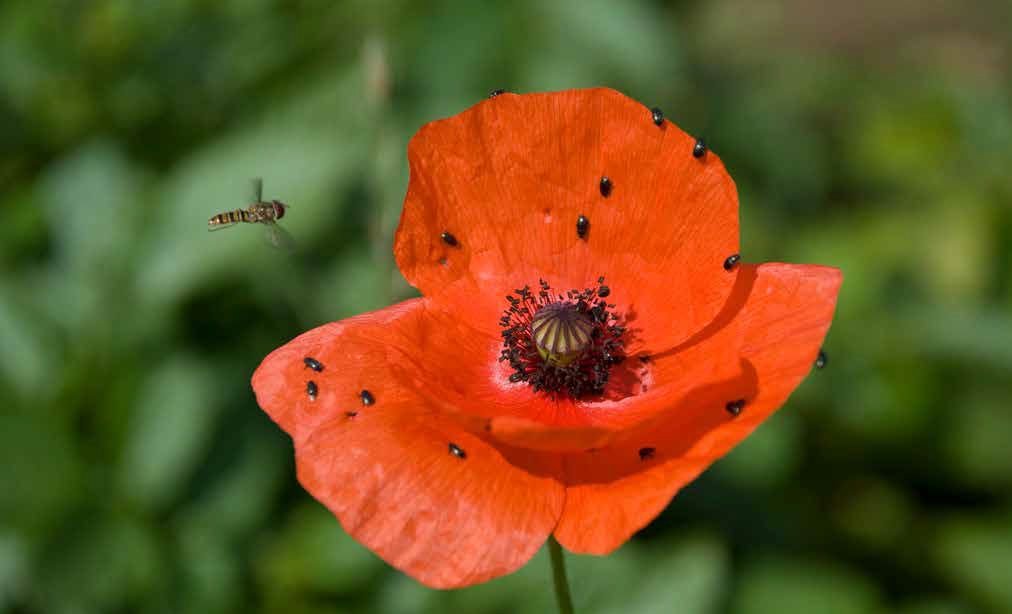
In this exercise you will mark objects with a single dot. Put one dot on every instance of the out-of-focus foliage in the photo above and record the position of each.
(138, 473)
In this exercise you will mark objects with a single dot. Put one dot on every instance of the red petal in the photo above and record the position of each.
(457, 369)
(387, 472)
(612, 493)
(510, 176)
(280, 380)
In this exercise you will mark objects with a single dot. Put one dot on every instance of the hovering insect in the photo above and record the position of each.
(260, 212)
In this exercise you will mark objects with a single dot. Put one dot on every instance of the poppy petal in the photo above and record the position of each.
(280, 382)
(448, 506)
(614, 492)
(509, 178)
(655, 376)
(457, 369)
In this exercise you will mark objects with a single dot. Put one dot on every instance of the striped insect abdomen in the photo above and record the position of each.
(229, 217)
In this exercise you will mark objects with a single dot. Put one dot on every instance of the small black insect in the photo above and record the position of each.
(699, 149)
(495, 93)
(734, 407)
(516, 377)
(603, 291)
(311, 390)
(582, 224)
(658, 116)
(367, 398)
(313, 363)
(605, 186)
(351, 414)
(449, 239)
(647, 453)
(822, 360)
(456, 451)
(731, 262)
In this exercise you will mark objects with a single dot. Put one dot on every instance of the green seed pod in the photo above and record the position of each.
(561, 332)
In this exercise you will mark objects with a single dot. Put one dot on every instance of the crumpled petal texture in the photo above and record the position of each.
(386, 470)
(455, 475)
(510, 176)
(613, 493)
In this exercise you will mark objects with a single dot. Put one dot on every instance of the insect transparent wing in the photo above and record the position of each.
(220, 226)
(279, 237)
(257, 189)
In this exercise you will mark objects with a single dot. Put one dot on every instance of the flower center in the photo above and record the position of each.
(562, 343)
(561, 332)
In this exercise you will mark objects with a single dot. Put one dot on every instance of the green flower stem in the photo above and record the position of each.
(559, 576)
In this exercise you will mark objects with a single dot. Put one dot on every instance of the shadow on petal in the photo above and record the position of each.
(676, 433)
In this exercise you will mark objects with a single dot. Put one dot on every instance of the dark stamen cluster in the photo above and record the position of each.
(586, 374)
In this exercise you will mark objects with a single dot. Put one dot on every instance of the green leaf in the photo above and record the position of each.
(15, 569)
(243, 494)
(688, 575)
(313, 553)
(977, 441)
(211, 580)
(93, 200)
(29, 346)
(41, 468)
(103, 564)
(973, 552)
(170, 430)
(774, 586)
(768, 457)
(935, 605)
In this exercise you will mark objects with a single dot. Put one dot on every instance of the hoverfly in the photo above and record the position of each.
(260, 212)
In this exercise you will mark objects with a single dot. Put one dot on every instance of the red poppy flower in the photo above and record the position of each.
(523, 395)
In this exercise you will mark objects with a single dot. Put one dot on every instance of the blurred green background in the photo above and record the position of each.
(138, 473)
